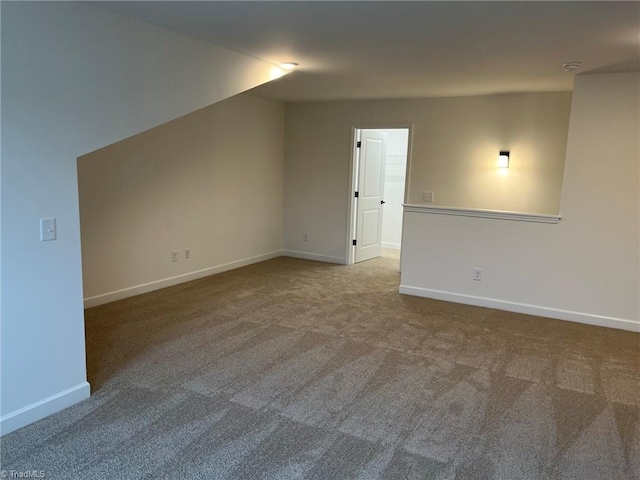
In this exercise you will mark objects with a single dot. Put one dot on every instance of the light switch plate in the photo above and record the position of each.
(47, 229)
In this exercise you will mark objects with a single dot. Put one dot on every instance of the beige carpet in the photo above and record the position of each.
(296, 369)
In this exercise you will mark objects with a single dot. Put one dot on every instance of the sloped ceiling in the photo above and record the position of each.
(358, 50)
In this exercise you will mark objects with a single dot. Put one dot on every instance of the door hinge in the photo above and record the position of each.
(356, 194)
(355, 243)
(358, 144)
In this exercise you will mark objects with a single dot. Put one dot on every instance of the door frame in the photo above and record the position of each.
(353, 175)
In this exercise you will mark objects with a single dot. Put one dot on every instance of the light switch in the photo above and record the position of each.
(47, 229)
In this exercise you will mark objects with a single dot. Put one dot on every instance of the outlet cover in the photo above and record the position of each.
(477, 274)
(427, 197)
(174, 255)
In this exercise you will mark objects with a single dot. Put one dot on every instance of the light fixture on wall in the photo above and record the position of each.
(503, 159)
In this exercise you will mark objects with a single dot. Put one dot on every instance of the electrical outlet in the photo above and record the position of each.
(187, 253)
(305, 237)
(477, 274)
(427, 197)
(174, 255)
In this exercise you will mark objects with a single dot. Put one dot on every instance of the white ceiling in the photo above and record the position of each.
(358, 50)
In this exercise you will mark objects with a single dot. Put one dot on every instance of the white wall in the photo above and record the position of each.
(586, 268)
(456, 148)
(455, 144)
(211, 181)
(394, 183)
(76, 78)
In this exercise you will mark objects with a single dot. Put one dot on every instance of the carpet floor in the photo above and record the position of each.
(296, 369)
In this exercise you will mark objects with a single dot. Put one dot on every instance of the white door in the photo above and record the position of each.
(373, 150)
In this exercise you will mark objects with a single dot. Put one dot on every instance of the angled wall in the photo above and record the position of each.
(76, 78)
(210, 182)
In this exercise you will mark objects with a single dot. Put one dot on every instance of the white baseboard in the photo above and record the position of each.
(43, 408)
(393, 246)
(108, 297)
(313, 256)
(555, 313)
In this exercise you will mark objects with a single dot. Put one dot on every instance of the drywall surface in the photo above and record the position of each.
(76, 78)
(455, 152)
(210, 182)
(586, 267)
(454, 149)
(394, 183)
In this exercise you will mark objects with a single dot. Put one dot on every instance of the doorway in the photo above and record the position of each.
(379, 182)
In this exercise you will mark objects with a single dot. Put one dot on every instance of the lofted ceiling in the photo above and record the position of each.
(395, 49)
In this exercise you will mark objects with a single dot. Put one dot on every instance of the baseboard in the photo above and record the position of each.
(393, 246)
(171, 281)
(43, 408)
(313, 256)
(555, 313)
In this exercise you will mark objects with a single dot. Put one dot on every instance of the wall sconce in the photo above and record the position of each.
(503, 159)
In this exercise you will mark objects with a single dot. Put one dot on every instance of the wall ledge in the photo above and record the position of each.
(476, 212)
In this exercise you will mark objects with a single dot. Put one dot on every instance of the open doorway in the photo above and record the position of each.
(379, 182)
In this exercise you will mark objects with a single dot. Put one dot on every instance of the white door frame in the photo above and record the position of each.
(353, 175)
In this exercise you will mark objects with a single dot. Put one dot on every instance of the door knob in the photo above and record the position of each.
(382, 202)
